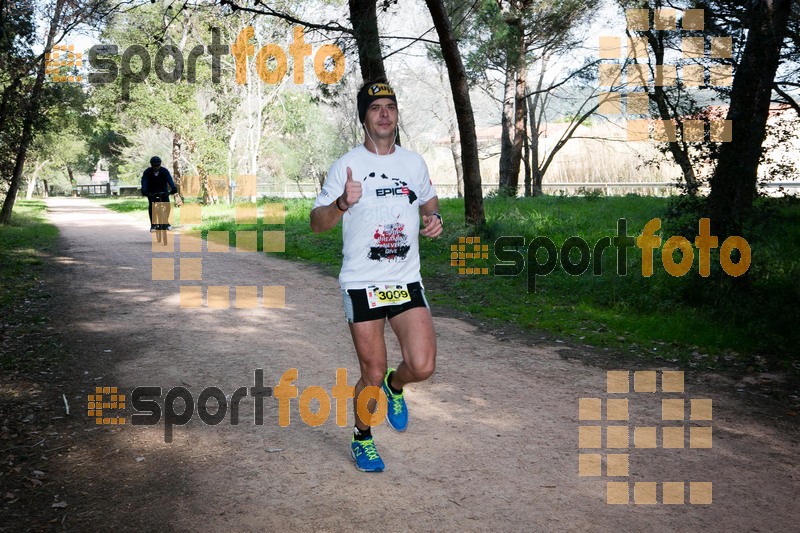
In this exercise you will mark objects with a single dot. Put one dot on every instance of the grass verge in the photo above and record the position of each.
(692, 320)
(24, 245)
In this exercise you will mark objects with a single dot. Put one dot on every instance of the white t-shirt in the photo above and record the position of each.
(381, 231)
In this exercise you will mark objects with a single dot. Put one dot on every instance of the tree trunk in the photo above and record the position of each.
(536, 175)
(31, 186)
(35, 178)
(519, 131)
(364, 18)
(231, 152)
(30, 114)
(507, 127)
(733, 185)
(678, 148)
(536, 180)
(176, 167)
(455, 150)
(473, 196)
(256, 146)
(208, 192)
(9, 92)
(513, 105)
(526, 153)
(535, 105)
(455, 146)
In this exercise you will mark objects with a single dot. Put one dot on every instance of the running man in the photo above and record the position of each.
(379, 190)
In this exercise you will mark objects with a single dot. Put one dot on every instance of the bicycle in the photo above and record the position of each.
(161, 210)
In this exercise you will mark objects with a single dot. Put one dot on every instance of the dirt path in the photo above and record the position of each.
(492, 443)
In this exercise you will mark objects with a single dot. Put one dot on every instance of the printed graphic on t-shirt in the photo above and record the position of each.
(396, 187)
(390, 243)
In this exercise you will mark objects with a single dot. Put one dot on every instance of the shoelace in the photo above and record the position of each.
(396, 400)
(397, 404)
(369, 449)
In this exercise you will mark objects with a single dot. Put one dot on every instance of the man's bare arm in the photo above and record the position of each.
(325, 217)
(432, 225)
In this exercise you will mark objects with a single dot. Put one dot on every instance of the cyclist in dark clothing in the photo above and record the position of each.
(157, 185)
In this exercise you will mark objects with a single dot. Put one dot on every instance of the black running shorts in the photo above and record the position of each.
(357, 309)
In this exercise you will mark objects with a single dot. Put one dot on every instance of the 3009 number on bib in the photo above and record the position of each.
(383, 295)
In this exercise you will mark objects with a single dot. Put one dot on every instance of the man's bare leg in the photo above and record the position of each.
(370, 347)
(414, 330)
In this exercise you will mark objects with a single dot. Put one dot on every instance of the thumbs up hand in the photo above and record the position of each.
(352, 191)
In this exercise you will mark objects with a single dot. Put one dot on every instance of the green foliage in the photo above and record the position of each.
(306, 143)
(136, 120)
(60, 105)
(223, 128)
(763, 302)
(590, 193)
(134, 205)
(23, 245)
(62, 145)
(497, 29)
(689, 313)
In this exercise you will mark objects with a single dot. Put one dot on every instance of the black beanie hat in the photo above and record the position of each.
(155, 160)
(371, 92)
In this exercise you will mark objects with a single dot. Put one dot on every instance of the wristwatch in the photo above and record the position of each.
(437, 215)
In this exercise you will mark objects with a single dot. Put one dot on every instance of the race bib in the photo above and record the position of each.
(382, 295)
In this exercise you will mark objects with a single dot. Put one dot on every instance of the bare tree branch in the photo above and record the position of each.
(267, 10)
(787, 99)
(565, 80)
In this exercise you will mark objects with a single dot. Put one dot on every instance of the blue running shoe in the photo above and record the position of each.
(397, 412)
(366, 456)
